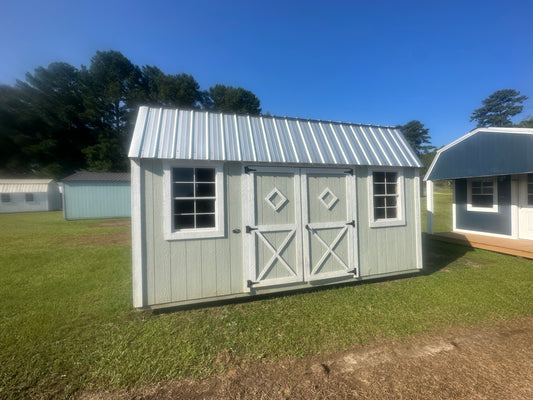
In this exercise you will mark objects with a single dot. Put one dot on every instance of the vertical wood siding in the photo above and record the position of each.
(188, 270)
(390, 249)
(182, 270)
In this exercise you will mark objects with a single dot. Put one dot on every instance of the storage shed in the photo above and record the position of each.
(29, 195)
(226, 206)
(92, 195)
(492, 174)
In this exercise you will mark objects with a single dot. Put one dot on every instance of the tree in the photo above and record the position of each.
(112, 91)
(237, 100)
(526, 123)
(180, 90)
(498, 108)
(417, 136)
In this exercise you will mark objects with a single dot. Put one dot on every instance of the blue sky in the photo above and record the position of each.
(378, 62)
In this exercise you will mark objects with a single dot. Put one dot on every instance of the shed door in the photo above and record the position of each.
(525, 223)
(329, 221)
(273, 231)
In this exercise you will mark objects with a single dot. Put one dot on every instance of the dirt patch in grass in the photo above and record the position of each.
(93, 240)
(113, 224)
(486, 362)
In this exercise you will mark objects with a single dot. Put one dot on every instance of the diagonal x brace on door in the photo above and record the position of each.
(277, 254)
(329, 249)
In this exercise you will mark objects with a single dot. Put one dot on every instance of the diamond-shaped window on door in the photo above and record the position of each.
(328, 198)
(276, 199)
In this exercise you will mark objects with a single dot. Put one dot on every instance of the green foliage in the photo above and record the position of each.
(526, 123)
(62, 119)
(498, 108)
(238, 100)
(417, 135)
(67, 322)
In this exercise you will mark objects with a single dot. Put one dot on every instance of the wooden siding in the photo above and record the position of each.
(88, 200)
(199, 270)
(182, 270)
(387, 249)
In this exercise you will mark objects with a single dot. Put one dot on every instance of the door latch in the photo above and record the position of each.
(249, 229)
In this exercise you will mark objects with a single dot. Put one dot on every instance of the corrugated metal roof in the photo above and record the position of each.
(203, 135)
(85, 176)
(485, 152)
(24, 185)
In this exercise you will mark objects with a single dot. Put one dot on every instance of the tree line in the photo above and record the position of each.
(61, 118)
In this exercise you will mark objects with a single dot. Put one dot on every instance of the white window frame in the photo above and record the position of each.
(168, 204)
(400, 184)
(470, 207)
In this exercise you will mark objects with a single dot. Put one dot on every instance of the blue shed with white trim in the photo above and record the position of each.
(227, 206)
(93, 195)
(492, 174)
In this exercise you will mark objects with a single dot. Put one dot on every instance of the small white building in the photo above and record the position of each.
(29, 195)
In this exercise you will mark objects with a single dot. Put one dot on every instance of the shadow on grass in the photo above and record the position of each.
(437, 255)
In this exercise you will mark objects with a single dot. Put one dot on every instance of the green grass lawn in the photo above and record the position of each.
(67, 322)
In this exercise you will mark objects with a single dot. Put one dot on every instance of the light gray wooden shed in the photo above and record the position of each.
(226, 206)
(29, 195)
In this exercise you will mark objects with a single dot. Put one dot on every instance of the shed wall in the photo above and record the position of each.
(488, 222)
(188, 270)
(87, 200)
(18, 203)
(385, 250)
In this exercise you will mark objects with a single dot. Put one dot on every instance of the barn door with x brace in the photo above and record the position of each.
(299, 225)
(329, 219)
(273, 234)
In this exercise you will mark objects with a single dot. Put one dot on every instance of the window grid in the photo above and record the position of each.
(482, 193)
(194, 196)
(28, 197)
(6, 198)
(385, 195)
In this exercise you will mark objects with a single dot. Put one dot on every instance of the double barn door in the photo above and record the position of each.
(300, 225)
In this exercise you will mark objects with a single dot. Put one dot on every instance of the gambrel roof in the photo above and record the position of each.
(485, 152)
(24, 185)
(204, 135)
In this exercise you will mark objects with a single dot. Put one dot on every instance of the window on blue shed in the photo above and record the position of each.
(6, 198)
(194, 198)
(482, 194)
(28, 197)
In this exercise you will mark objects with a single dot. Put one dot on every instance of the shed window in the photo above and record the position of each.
(194, 201)
(194, 196)
(386, 188)
(29, 197)
(483, 195)
(6, 198)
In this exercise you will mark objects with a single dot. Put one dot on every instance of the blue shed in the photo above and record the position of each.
(492, 174)
(88, 195)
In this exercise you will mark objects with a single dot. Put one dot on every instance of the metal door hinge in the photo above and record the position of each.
(250, 283)
(352, 223)
(349, 171)
(247, 170)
